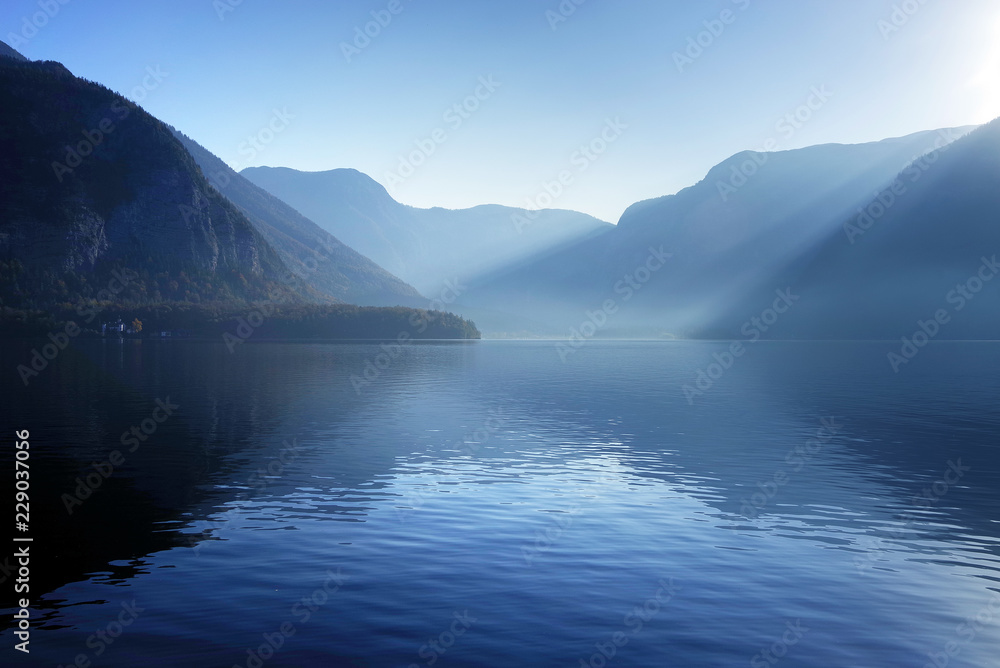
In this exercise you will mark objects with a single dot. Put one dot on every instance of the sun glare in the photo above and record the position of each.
(985, 83)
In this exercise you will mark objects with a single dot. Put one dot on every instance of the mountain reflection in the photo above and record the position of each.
(277, 435)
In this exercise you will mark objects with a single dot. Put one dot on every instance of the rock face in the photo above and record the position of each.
(313, 254)
(89, 182)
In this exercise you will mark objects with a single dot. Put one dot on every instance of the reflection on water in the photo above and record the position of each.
(488, 504)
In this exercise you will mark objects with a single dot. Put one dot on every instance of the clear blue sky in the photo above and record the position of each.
(609, 59)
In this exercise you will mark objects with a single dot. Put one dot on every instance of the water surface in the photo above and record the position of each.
(487, 504)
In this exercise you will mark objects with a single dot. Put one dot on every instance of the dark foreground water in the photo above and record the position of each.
(488, 504)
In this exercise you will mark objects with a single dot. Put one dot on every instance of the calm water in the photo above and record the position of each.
(487, 504)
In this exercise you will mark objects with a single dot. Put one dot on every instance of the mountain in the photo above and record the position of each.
(426, 247)
(90, 185)
(8, 52)
(755, 216)
(920, 255)
(314, 255)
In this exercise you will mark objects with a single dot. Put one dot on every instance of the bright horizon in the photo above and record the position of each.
(531, 88)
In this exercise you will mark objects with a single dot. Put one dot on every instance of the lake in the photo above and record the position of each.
(493, 504)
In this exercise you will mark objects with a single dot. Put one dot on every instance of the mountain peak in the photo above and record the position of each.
(342, 180)
(9, 52)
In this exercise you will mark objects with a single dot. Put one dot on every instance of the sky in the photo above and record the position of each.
(588, 105)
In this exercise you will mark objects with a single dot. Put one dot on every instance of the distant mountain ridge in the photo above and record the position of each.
(314, 255)
(425, 247)
(874, 240)
(727, 245)
(925, 245)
